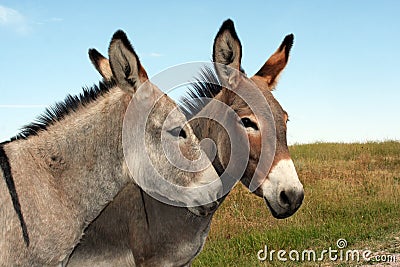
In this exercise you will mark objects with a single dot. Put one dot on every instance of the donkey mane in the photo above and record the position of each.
(60, 110)
(207, 85)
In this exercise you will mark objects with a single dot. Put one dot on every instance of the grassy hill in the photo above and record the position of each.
(352, 191)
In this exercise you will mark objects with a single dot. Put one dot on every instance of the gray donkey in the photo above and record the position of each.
(151, 233)
(60, 172)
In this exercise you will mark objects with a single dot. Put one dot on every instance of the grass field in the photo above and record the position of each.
(352, 191)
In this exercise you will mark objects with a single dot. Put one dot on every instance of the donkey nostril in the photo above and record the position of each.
(212, 206)
(203, 213)
(291, 199)
(284, 198)
(207, 209)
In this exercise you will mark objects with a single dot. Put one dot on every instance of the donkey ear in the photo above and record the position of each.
(125, 65)
(101, 64)
(276, 63)
(227, 50)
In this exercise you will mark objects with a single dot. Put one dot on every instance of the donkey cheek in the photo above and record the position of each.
(255, 146)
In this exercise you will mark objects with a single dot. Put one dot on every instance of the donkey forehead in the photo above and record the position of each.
(165, 111)
(245, 108)
(275, 106)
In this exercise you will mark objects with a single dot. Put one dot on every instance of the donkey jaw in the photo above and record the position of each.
(204, 204)
(282, 191)
(205, 194)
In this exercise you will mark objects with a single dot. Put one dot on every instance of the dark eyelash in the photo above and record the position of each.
(249, 123)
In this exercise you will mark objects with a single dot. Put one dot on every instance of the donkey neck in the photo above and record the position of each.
(81, 155)
(173, 237)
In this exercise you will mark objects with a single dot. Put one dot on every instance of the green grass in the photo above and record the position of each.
(352, 191)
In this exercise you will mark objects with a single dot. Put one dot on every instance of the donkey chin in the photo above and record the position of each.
(203, 196)
(204, 210)
(205, 202)
(282, 190)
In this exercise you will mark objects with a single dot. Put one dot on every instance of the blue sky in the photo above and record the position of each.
(341, 83)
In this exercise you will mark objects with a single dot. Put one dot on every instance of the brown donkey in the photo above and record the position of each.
(62, 170)
(274, 179)
(167, 235)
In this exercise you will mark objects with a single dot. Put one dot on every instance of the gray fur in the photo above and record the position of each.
(123, 235)
(69, 171)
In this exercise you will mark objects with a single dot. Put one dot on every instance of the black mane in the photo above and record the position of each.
(207, 85)
(61, 109)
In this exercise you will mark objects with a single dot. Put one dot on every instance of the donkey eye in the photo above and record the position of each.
(178, 132)
(247, 123)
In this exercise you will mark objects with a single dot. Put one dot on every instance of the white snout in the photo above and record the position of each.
(282, 190)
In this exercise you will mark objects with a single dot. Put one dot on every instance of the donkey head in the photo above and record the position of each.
(277, 182)
(156, 137)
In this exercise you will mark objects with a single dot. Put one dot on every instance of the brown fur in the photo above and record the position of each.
(170, 237)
